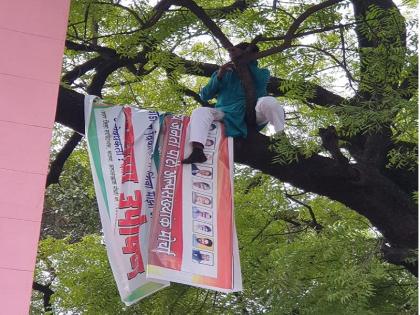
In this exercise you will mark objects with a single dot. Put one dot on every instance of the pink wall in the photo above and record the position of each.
(32, 34)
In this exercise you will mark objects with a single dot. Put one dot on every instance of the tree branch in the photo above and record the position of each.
(330, 142)
(57, 166)
(325, 52)
(400, 256)
(80, 70)
(343, 51)
(207, 21)
(290, 34)
(46, 291)
(302, 34)
(129, 10)
(160, 8)
(358, 188)
(195, 96)
(314, 223)
(103, 51)
(320, 97)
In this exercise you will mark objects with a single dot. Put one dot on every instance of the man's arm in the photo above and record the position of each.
(212, 88)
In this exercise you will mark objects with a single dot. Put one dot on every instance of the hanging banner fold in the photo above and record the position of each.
(121, 142)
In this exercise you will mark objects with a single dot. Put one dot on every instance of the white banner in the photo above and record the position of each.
(121, 142)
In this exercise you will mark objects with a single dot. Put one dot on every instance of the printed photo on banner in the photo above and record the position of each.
(210, 143)
(203, 228)
(213, 130)
(201, 171)
(202, 257)
(202, 242)
(209, 156)
(202, 214)
(202, 185)
(202, 200)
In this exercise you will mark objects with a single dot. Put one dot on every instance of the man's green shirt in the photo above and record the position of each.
(231, 97)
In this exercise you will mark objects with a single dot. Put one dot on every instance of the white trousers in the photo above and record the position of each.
(268, 110)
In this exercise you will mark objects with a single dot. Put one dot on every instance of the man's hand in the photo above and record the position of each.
(223, 69)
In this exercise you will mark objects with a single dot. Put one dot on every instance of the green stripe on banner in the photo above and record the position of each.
(142, 291)
(96, 156)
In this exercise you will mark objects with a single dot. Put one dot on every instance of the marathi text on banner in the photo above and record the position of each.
(192, 237)
(121, 143)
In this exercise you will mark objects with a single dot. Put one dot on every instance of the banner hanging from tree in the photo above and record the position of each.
(121, 141)
(189, 208)
(193, 238)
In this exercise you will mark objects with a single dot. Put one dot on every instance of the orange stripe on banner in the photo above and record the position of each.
(224, 216)
(224, 277)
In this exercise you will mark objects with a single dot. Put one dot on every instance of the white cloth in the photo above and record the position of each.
(268, 110)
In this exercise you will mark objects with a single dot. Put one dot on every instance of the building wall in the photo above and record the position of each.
(32, 35)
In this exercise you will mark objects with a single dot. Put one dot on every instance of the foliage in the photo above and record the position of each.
(289, 267)
(300, 253)
(70, 208)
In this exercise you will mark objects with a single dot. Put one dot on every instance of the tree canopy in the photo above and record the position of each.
(326, 215)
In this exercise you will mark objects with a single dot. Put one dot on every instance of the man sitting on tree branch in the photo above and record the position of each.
(231, 103)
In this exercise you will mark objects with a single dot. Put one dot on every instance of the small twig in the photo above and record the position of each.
(318, 227)
(298, 194)
(86, 16)
(303, 34)
(214, 299)
(129, 10)
(343, 66)
(291, 32)
(131, 90)
(198, 311)
(287, 233)
(343, 49)
(262, 230)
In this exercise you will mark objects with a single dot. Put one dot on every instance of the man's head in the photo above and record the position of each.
(241, 48)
